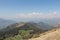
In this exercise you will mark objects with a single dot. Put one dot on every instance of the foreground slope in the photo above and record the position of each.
(52, 35)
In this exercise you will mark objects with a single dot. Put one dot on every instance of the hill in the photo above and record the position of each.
(51, 35)
(23, 30)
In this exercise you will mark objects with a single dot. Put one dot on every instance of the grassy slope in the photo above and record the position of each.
(51, 35)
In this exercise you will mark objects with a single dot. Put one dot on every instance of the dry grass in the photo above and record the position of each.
(50, 35)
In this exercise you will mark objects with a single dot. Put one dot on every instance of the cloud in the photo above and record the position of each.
(39, 15)
(29, 15)
(33, 15)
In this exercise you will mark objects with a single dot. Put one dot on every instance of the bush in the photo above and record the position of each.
(25, 34)
(18, 37)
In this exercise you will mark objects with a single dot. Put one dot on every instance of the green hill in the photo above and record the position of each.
(20, 31)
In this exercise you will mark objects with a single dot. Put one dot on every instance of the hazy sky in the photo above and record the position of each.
(23, 9)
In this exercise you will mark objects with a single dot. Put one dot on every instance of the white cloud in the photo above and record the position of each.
(29, 15)
(39, 15)
(32, 15)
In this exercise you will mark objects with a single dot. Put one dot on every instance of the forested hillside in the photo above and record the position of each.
(21, 31)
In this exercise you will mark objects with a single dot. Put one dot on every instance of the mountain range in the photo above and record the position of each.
(46, 22)
(24, 30)
(4, 23)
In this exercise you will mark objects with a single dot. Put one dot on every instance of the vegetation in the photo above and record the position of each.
(20, 33)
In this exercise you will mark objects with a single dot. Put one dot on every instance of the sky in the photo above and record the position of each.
(29, 9)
